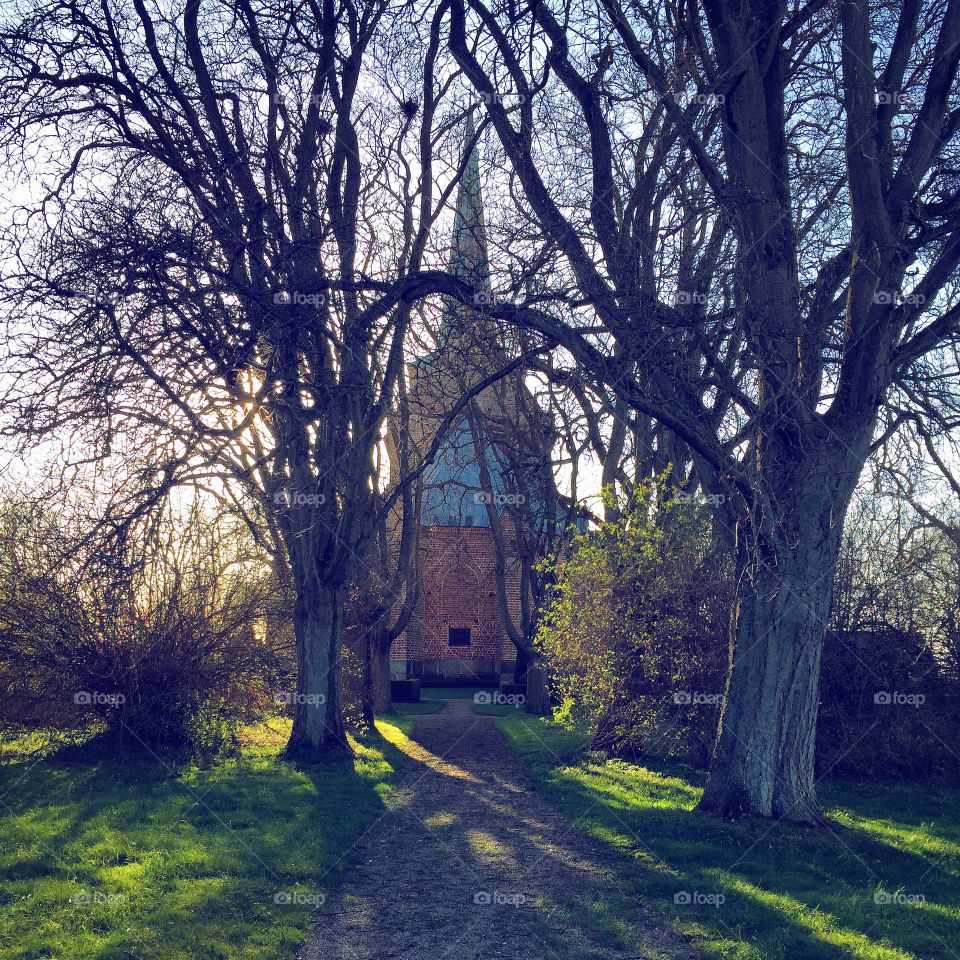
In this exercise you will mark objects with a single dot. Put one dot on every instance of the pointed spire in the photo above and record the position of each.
(468, 254)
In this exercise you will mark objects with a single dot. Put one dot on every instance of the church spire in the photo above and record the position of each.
(468, 253)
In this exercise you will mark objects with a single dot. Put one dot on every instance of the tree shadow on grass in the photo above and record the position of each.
(788, 891)
(471, 864)
(110, 858)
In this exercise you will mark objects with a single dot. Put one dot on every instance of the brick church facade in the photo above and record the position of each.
(456, 630)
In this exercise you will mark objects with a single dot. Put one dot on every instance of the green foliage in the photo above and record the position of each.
(853, 891)
(637, 625)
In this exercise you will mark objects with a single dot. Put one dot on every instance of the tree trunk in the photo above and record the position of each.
(366, 686)
(538, 696)
(380, 673)
(763, 762)
(376, 676)
(520, 665)
(317, 715)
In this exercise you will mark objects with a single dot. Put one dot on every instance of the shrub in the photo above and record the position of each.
(890, 690)
(165, 648)
(635, 632)
(640, 619)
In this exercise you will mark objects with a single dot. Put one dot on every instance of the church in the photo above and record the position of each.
(487, 486)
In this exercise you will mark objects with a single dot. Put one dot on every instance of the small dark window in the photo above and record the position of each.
(459, 636)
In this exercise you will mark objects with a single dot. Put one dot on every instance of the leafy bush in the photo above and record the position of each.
(635, 632)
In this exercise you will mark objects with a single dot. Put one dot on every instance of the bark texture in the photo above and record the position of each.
(317, 717)
(763, 763)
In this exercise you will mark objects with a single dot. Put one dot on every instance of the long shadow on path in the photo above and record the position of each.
(469, 863)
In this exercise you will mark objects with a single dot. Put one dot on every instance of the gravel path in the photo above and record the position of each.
(470, 864)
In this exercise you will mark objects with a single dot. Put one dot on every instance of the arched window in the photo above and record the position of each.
(460, 596)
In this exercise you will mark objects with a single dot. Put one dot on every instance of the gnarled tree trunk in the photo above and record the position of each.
(763, 762)
(520, 665)
(317, 716)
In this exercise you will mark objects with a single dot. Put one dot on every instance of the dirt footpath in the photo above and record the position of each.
(469, 863)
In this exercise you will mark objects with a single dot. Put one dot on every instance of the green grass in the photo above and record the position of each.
(122, 859)
(789, 893)
(401, 710)
(449, 693)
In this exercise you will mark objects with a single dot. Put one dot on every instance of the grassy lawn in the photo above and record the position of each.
(414, 709)
(449, 693)
(761, 891)
(116, 860)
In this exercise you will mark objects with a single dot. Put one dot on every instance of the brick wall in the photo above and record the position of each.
(458, 590)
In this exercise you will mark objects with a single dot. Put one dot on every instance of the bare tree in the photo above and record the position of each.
(219, 272)
(821, 283)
